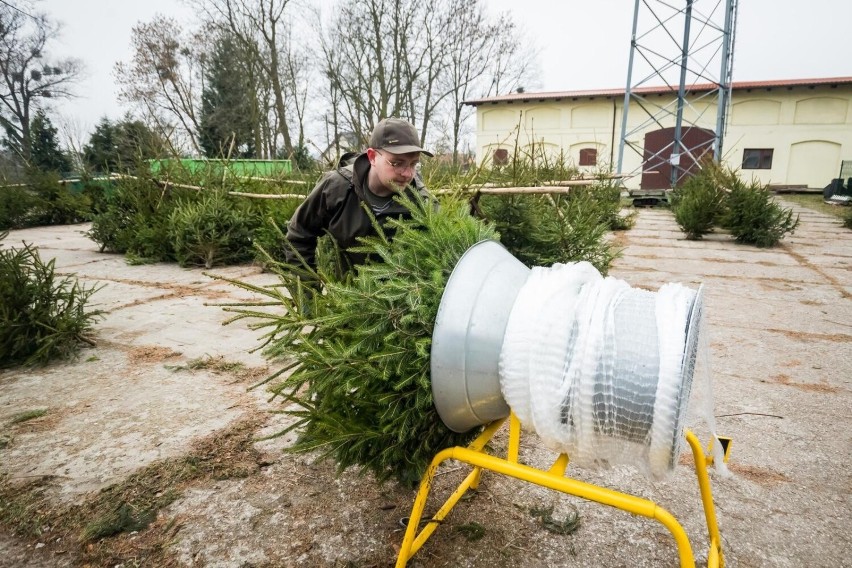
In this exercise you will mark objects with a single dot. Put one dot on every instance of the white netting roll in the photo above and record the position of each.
(552, 289)
(595, 366)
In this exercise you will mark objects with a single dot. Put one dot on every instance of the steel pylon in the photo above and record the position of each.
(683, 48)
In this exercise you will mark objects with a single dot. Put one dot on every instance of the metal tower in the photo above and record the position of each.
(686, 51)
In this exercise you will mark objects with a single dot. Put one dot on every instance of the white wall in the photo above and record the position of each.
(809, 130)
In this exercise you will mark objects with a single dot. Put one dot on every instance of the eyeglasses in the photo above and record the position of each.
(400, 166)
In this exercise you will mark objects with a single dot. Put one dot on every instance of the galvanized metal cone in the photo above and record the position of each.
(468, 336)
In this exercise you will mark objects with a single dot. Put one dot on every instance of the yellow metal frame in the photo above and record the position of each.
(555, 479)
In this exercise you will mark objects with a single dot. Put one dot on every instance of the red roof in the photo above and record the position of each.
(695, 88)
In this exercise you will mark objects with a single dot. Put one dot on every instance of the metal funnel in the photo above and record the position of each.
(468, 336)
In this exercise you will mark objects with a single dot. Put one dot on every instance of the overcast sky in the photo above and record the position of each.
(581, 44)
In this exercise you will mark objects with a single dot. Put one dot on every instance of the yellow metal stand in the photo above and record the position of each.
(554, 479)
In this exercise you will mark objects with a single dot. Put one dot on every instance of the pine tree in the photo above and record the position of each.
(226, 105)
(540, 230)
(45, 153)
(358, 353)
(100, 153)
(120, 146)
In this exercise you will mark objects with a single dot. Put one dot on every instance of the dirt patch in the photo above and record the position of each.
(125, 509)
(254, 377)
(151, 354)
(618, 240)
(779, 284)
(176, 292)
(785, 380)
(46, 420)
(805, 261)
(814, 337)
(761, 475)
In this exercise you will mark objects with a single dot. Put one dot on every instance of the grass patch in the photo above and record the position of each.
(28, 415)
(219, 365)
(816, 202)
(97, 531)
(25, 509)
(124, 519)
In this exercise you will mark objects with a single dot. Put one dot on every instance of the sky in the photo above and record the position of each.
(580, 44)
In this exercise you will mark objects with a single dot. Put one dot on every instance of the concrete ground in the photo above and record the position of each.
(780, 324)
(780, 328)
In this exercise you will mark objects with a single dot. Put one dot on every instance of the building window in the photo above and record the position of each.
(588, 156)
(501, 157)
(757, 159)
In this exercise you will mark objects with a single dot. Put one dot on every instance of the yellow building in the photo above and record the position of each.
(783, 133)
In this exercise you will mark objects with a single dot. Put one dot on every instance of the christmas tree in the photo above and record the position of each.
(356, 350)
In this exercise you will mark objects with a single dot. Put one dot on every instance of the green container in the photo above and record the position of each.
(217, 168)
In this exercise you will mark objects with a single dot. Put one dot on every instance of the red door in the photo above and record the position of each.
(656, 165)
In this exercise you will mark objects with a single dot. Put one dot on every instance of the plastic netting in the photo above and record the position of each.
(599, 370)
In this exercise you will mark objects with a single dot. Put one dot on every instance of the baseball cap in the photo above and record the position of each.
(396, 136)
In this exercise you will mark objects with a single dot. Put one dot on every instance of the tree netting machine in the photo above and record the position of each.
(600, 371)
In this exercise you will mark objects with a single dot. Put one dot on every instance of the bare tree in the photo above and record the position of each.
(297, 71)
(164, 79)
(28, 76)
(374, 57)
(481, 56)
(513, 64)
(427, 93)
(419, 61)
(265, 27)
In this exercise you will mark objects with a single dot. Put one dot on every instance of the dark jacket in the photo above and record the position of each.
(336, 206)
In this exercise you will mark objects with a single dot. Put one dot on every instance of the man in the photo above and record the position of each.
(388, 167)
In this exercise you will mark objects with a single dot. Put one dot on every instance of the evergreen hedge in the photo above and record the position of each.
(270, 230)
(42, 200)
(150, 222)
(55, 203)
(541, 230)
(16, 204)
(699, 203)
(134, 219)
